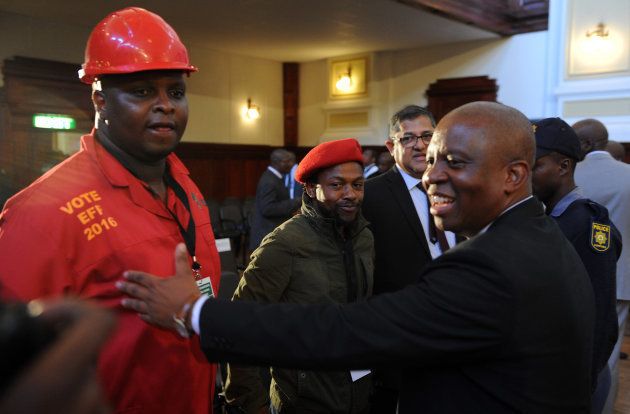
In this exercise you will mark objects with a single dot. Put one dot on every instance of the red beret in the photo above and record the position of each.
(328, 154)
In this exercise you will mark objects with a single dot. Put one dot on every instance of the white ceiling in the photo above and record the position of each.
(281, 30)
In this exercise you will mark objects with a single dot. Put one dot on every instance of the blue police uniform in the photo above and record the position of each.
(598, 243)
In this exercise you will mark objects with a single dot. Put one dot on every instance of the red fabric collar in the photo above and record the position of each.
(113, 170)
(119, 176)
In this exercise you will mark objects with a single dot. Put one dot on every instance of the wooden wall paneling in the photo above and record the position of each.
(200, 171)
(299, 152)
(251, 174)
(225, 170)
(38, 86)
(445, 95)
(291, 98)
(504, 17)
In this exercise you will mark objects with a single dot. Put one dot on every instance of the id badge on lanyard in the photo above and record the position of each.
(204, 283)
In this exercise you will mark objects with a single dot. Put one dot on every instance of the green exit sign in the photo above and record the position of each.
(52, 121)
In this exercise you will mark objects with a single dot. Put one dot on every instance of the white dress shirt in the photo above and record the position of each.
(419, 199)
(275, 172)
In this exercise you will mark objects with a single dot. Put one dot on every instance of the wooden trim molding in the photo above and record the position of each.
(291, 99)
(504, 17)
(445, 95)
(228, 170)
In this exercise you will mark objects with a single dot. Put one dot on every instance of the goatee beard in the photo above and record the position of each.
(325, 212)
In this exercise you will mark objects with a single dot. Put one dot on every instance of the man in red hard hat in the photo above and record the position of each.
(123, 201)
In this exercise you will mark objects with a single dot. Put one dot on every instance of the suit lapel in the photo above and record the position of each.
(397, 186)
(282, 190)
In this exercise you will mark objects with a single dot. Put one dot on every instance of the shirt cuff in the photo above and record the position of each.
(196, 311)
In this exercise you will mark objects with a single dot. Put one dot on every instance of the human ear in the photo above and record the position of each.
(565, 166)
(98, 99)
(390, 146)
(517, 175)
(310, 189)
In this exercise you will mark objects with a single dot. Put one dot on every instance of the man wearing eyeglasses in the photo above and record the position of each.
(404, 233)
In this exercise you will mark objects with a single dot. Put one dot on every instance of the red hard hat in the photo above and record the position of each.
(132, 40)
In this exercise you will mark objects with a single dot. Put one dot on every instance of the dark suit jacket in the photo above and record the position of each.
(273, 207)
(576, 222)
(399, 241)
(501, 323)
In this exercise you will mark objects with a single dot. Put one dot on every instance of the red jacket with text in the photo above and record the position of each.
(74, 231)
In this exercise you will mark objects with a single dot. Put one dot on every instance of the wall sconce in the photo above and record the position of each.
(597, 45)
(348, 77)
(600, 31)
(599, 49)
(252, 112)
(344, 83)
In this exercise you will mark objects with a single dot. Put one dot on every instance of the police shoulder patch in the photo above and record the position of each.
(600, 236)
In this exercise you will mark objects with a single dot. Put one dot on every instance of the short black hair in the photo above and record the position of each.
(280, 154)
(407, 113)
(312, 179)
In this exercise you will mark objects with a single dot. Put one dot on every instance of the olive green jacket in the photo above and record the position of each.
(306, 260)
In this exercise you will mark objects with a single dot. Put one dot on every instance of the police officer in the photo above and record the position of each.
(587, 226)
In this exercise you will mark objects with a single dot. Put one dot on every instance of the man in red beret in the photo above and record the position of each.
(322, 255)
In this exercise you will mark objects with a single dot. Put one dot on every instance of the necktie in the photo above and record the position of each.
(289, 183)
(435, 234)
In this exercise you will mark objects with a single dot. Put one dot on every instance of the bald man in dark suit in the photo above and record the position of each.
(501, 323)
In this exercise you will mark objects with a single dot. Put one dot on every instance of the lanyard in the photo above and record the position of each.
(204, 284)
(188, 233)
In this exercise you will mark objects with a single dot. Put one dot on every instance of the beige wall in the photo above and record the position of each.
(517, 63)
(539, 73)
(216, 93)
(219, 92)
(220, 89)
(402, 77)
(589, 77)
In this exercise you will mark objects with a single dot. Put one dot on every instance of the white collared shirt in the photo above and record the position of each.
(289, 181)
(275, 172)
(419, 199)
(369, 170)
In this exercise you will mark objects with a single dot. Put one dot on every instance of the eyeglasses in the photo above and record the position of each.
(412, 140)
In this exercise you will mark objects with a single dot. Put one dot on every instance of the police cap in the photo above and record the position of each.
(555, 135)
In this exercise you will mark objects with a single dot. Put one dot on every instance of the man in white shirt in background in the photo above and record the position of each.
(273, 204)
